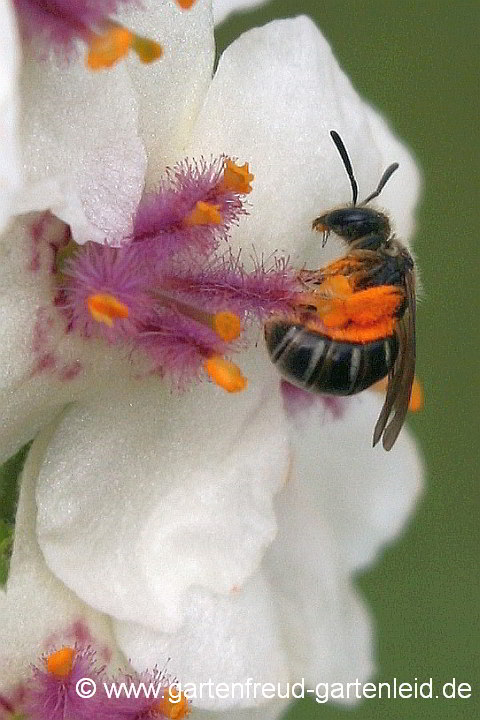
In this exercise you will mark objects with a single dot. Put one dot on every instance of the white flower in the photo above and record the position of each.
(223, 8)
(165, 522)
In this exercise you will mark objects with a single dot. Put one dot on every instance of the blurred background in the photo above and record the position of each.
(418, 62)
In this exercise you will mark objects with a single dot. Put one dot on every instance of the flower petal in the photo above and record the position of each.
(277, 93)
(10, 168)
(325, 626)
(367, 494)
(81, 151)
(177, 491)
(222, 640)
(223, 8)
(42, 368)
(37, 610)
(171, 90)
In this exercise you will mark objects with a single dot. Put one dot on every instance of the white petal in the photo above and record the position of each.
(37, 611)
(171, 90)
(81, 150)
(325, 627)
(177, 491)
(42, 368)
(222, 640)
(223, 8)
(277, 93)
(10, 169)
(367, 494)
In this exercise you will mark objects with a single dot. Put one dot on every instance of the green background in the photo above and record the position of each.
(418, 63)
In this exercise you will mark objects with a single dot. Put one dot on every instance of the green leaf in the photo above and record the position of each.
(9, 474)
(6, 544)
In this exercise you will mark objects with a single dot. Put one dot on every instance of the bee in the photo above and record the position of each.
(354, 322)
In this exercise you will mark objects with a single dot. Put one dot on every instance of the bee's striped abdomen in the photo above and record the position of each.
(318, 363)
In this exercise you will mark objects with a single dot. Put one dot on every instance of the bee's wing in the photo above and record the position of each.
(400, 380)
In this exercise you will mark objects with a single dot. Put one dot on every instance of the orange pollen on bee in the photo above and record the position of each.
(112, 45)
(204, 214)
(60, 663)
(186, 4)
(227, 325)
(225, 374)
(174, 704)
(105, 308)
(237, 178)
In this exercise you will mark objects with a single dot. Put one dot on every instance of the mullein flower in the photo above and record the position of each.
(162, 521)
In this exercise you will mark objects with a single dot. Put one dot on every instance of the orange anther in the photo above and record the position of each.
(147, 50)
(105, 308)
(60, 663)
(225, 374)
(186, 4)
(417, 398)
(174, 704)
(106, 49)
(237, 178)
(204, 214)
(227, 325)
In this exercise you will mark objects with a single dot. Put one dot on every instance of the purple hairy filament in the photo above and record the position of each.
(168, 292)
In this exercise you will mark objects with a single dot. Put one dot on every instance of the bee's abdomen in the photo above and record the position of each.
(318, 363)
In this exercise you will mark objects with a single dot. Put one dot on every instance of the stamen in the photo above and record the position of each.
(417, 397)
(204, 214)
(105, 308)
(174, 704)
(60, 663)
(186, 4)
(106, 49)
(225, 374)
(237, 178)
(227, 325)
(147, 50)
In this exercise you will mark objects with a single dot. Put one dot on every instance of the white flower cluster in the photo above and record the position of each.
(219, 532)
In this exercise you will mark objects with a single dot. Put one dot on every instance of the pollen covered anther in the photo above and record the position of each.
(106, 49)
(60, 663)
(237, 178)
(227, 325)
(147, 50)
(105, 308)
(174, 705)
(204, 213)
(225, 374)
(186, 4)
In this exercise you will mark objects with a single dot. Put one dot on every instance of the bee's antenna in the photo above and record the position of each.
(348, 165)
(383, 181)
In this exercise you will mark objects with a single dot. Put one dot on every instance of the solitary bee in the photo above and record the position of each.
(354, 323)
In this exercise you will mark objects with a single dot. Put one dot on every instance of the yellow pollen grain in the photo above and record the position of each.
(147, 50)
(225, 374)
(174, 705)
(237, 178)
(60, 663)
(227, 325)
(105, 308)
(204, 214)
(106, 49)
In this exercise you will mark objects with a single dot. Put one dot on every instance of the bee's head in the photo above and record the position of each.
(352, 223)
